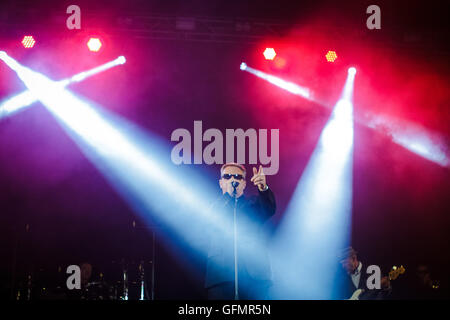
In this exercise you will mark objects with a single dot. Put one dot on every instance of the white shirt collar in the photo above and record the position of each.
(358, 269)
(356, 276)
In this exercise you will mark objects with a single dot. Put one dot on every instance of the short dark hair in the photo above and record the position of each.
(233, 164)
(348, 252)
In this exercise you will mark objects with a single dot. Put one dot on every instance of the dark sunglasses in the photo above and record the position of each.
(228, 176)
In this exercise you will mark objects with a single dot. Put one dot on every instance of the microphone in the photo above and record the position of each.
(234, 184)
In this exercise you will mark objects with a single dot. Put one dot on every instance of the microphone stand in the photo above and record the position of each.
(236, 282)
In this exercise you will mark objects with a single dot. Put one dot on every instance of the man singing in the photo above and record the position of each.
(254, 272)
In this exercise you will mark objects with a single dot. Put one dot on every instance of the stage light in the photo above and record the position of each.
(316, 224)
(28, 42)
(94, 44)
(121, 60)
(331, 56)
(269, 53)
(286, 85)
(352, 70)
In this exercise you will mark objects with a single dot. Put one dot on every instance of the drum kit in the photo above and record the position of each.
(132, 285)
(131, 278)
(125, 280)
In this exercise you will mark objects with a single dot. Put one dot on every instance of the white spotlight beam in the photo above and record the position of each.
(82, 119)
(317, 221)
(419, 140)
(89, 73)
(413, 137)
(26, 98)
(136, 165)
(16, 103)
(286, 85)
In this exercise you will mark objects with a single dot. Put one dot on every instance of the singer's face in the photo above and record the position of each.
(225, 184)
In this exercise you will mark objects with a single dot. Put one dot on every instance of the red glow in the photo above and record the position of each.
(28, 42)
(280, 62)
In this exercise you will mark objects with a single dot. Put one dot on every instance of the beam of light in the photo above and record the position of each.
(89, 73)
(421, 141)
(316, 224)
(286, 85)
(417, 139)
(26, 98)
(16, 103)
(138, 166)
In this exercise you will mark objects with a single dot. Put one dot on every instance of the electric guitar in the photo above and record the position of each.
(393, 274)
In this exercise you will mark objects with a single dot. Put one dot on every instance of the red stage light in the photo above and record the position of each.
(94, 44)
(331, 56)
(28, 42)
(269, 53)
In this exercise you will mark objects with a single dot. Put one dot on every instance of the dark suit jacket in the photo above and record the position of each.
(348, 287)
(251, 214)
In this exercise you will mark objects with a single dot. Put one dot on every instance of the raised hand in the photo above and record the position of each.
(259, 179)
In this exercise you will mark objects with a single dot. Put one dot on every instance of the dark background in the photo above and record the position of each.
(400, 200)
